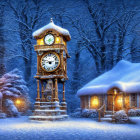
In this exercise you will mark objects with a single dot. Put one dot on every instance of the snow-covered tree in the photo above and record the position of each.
(13, 87)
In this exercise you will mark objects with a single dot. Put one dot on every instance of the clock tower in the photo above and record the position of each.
(52, 54)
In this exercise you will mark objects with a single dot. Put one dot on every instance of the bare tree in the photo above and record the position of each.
(2, 48)
(123, 25)
(94, 36)
(27, 13)
(104, 29)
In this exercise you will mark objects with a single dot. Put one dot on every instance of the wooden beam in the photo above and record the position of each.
(56, 91)
(38, 91)
(37, 65)
(42, 90)
(64, 92)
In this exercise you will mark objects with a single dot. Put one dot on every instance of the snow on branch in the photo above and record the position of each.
(13, 85)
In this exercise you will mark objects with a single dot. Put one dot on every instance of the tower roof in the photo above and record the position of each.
(51, 26)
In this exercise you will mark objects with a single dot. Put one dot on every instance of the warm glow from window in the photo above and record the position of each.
(119, 101)
(57, 39)
(40, 42)
(94, 102)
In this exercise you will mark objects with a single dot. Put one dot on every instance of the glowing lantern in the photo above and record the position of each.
(18, 102)
(115, 91)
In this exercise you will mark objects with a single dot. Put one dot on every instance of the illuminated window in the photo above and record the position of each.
(94, 102)
(40, 42)
(57, 40)
(119, 100)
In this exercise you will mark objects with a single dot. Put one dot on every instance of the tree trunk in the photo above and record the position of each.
(120, 47)
(25, 36)
(2, 48)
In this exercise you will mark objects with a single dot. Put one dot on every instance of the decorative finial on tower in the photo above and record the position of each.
(51, 19)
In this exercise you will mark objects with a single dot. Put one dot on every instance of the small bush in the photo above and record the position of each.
(121, 116)
(85, 113)
(2, 115)
(76, 114)
(89, 113)
(138, 112)
(132, 112)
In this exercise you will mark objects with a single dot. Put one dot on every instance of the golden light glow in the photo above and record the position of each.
(119, 100)
(40, 42)
(18, 102)
(64, 43)
(115, 91)
(95, 102)
(57, 40)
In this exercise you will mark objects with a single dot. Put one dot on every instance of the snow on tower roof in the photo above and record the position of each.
(50, 26)
(124, 76)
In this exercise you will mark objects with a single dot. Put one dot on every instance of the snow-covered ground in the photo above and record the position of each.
(71, 129)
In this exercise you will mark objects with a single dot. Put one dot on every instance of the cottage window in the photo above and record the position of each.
(94, 102)
(134, 100)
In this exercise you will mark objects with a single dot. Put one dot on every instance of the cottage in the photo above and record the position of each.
(116, 89)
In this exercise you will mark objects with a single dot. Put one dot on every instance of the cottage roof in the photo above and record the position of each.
(52, 26)
(124, 76)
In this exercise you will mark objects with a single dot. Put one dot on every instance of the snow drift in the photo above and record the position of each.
(125, 76)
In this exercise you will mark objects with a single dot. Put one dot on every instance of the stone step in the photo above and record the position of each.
(108, 116)
(48, 118)
(106, 119)
(108, 112)
(49, 107)
(49, 112)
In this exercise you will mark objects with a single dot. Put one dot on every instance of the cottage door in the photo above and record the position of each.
(110, 102)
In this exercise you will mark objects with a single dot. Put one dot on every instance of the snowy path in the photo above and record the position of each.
(72, 129)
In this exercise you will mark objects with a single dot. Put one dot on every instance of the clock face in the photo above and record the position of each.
(50, 61)
(49, 39)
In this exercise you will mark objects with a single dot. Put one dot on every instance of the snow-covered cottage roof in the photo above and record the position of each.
(124, 76)
(51, 26)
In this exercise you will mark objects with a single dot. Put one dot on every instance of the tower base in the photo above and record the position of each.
(49, 111)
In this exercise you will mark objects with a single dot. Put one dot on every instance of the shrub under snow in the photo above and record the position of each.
(76, 113)
(132, 112)
(89, 113)
(121, 116)
(85, 113)
(138, 112)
